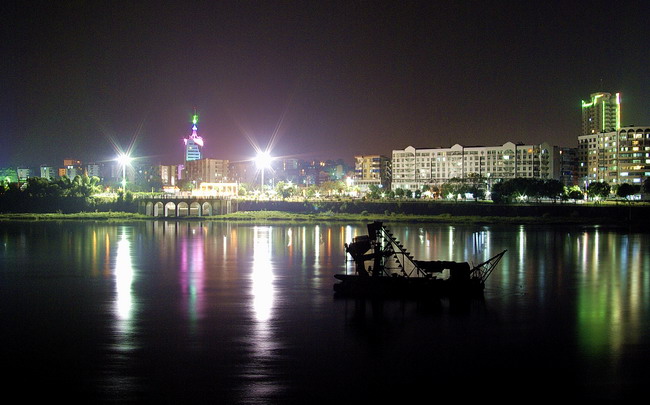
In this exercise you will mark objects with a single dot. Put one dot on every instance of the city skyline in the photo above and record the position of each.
(315, 80)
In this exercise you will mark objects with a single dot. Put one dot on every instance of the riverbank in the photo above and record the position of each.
(466, 211)
(281, 216)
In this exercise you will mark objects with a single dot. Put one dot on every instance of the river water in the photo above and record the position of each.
(233, 313)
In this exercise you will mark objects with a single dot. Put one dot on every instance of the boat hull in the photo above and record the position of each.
(404, 287)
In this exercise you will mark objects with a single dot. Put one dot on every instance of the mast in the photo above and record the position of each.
(195, 120)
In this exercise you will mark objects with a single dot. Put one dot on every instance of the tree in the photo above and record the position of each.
(434, 190)
(552, 189)
(332, 187)
(284, 189)
(453, 188)
(184, 185)
(498, 193)
(646, 185)
(65, 185)
(574, 193)
(477, 192)
(598, 189)
(147, 182)
(519, 187)
(626, 189)
(374, 192)
(310, 191)
(477, 185)
(85, 186)
(524, 188)
(37, 187)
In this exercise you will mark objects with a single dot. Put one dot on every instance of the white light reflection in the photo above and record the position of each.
(451, 242)
(316, 244)
(596, 249)
(124, 307)
(261, 382)
(317, 249)
(522, 246)
(262, 273)
(349, 234)
(123, 278)
(584, 251)
(225, 248)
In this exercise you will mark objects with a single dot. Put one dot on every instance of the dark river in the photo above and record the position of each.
(231, 313)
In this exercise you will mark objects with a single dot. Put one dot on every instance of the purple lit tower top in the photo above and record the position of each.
(194, 143)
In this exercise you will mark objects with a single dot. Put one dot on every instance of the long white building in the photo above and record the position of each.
(413, 168)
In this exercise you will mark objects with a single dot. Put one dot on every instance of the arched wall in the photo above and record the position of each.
(158, 209)
(206, 208)
(170, 209)
(195, 209)
(182, 209)
(185, 207)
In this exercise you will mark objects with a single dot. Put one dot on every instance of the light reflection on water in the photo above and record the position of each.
(247, 299)
(123, 280)
(260, 377)
(125, 341)
(262, 273)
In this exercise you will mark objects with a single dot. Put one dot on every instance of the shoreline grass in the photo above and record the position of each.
(280, 216)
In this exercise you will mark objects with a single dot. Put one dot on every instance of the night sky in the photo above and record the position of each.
(323, 79)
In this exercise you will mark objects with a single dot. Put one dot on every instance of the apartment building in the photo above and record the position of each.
(372, 170)
(615, 157)
(413, 168)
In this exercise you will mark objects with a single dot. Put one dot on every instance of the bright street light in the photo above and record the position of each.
(263, 161)
(123, 159)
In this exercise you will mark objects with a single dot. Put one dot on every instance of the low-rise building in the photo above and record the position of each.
(23, 174)
(206, 171)
(48, 172)
(169, 175)
(371, 170)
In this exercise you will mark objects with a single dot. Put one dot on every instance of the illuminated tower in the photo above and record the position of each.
(601, 114)
(194, 143)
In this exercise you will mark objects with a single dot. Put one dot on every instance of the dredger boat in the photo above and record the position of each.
(383, 267)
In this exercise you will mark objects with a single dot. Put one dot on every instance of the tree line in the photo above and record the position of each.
(63, 194)
(516, 190)
(80, 194)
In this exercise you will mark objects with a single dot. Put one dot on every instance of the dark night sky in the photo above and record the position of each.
(330, 78)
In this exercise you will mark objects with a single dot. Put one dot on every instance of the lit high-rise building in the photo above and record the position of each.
(372, 170)
(193, 143)
(601, 114)
(615, 157)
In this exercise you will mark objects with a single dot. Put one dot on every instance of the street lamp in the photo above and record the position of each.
(124, 160)
(263, 161)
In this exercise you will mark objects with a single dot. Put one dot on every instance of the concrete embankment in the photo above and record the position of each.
(608, 213)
